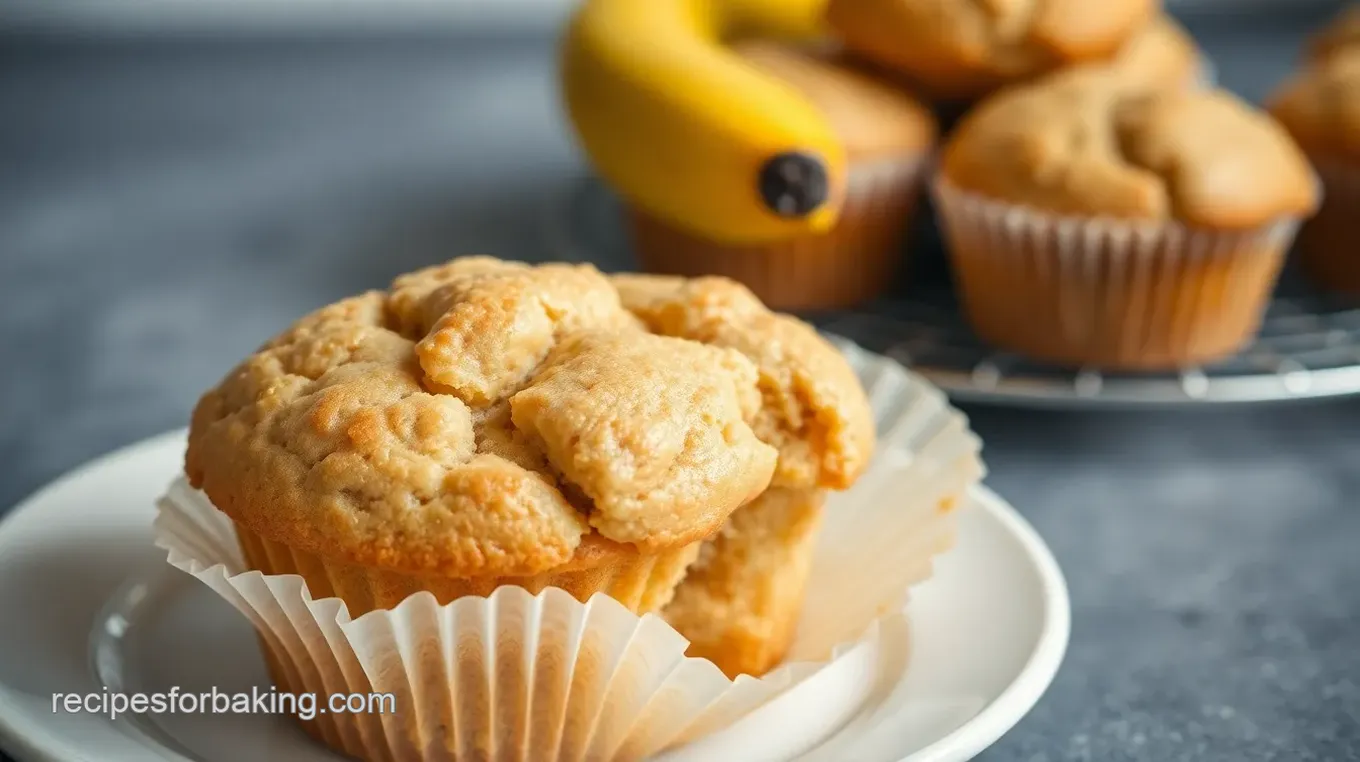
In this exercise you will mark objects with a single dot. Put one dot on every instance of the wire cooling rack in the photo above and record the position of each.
(1308, 348)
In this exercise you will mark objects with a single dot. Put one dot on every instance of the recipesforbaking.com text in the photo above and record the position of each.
(306, 706)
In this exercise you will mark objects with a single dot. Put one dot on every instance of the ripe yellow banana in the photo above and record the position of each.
(689, 132)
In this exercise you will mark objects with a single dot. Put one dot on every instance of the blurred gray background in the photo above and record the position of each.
(181, 179)
(369, 15)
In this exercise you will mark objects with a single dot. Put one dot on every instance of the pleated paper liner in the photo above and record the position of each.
(1329, 244)
(856, 261)
(1107, 293)
(514, 676)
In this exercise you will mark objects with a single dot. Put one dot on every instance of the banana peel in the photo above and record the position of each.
(686, 130)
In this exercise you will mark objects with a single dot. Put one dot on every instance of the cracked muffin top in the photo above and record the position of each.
(486, 418)
(1320, 106)
(1084, 143)
(967, 48)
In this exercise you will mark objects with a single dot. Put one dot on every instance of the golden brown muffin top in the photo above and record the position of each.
(492, 418)
(962, 49)
(872, 117)
(1342, 34)
(1083, 143)
(1320, 106)
(813, 408)
(1162, 54)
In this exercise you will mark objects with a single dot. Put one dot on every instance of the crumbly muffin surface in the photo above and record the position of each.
(486, 418)
(1086, 142)
(813, 407)
(739, 604)
(965, 48)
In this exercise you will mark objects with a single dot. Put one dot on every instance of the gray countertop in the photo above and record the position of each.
(164, 207)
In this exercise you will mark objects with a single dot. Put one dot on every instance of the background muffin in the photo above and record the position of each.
(1343, 33)
(1321, 108)
(887, 136)
(1094, 223)
(1162, 54)
(959, 50)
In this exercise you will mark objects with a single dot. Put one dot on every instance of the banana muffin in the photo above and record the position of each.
(1339, 36)
(1162, 54)
(960, 50)
(1320, 106)
(1093, 223)
(485, 423)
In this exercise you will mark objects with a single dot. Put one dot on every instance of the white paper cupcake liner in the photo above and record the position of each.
(513, 676)
(1108, 293)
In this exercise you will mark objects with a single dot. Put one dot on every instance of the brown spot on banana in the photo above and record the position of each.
(794, 184)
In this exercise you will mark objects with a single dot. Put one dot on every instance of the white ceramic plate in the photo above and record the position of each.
(90, 605)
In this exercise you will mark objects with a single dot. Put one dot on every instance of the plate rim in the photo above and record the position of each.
(1018, 698)
(981, 731)
(18, 742)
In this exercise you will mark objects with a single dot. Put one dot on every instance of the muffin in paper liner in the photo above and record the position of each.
(513, 675)
(642, 582)
(854, 262)
(1108, 293)
(1329, 243)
